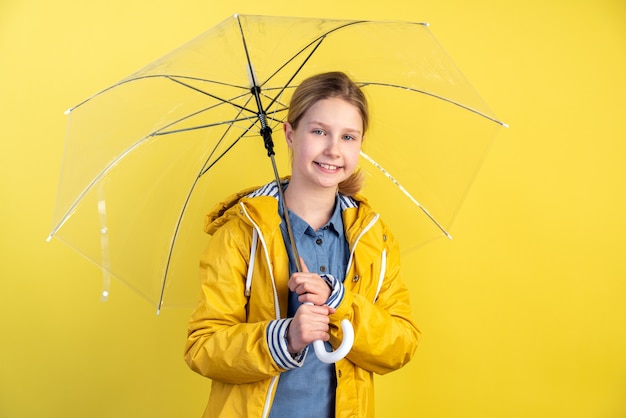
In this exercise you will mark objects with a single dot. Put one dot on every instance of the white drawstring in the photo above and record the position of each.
(255, 238)
(381, 276)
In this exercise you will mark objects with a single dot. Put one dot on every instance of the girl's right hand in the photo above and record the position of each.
(309, 324)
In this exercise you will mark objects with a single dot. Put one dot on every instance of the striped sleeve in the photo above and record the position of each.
(276, 335)
(338, 291)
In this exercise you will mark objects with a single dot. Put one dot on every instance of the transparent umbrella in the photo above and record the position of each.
(146, 158)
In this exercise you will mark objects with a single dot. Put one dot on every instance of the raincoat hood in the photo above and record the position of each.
(224, 211)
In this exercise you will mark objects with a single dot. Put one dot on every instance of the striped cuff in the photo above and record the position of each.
(338, 291)
(276, 335)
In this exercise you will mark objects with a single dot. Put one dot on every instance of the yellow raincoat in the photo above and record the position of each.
(228, 331)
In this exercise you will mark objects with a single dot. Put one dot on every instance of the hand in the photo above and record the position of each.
(309, 324)
(310, 287)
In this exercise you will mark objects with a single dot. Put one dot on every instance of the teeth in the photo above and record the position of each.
(328, 166)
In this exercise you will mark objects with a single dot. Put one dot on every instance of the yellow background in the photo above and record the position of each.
(523, 313)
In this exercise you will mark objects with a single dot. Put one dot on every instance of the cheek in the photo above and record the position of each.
(305, 150)
(299, 155)
(352, 156)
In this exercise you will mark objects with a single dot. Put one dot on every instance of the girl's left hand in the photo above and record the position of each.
(310, 287)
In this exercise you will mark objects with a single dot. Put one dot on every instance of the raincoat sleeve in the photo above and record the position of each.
(221, 345)
(378, 305)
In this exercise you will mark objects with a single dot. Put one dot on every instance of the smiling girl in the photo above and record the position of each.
(252, 330)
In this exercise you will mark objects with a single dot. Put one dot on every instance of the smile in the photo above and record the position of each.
(328, 166)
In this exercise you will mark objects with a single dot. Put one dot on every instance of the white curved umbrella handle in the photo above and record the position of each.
(341, 351)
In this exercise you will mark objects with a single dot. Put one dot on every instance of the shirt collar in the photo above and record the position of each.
(300, 227)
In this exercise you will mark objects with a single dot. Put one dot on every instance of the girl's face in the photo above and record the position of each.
(326, 143)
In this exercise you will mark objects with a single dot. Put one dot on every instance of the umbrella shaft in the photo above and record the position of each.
(292, 242)
(266, 131)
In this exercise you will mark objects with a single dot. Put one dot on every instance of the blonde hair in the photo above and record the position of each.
(327, 86)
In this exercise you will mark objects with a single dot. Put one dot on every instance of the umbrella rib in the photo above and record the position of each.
(406, 192)
(424, 92)
(130, 80)
(95, 181)
(230, 125)
(121, 156)
(180, 219)
(210, 125)
(173, 242)
(230, 122)
(246, 130)
(210, 95)
(204, 170)
(194, 128)
(186, 203)
(162, 130)
(317, 42)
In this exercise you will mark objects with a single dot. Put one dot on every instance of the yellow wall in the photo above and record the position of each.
(523, 314)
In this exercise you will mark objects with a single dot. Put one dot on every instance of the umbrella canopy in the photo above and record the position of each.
(146, 158)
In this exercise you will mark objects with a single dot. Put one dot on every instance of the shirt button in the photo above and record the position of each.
(323, 269)
(338, 373)
(319, 241)
(355, 278)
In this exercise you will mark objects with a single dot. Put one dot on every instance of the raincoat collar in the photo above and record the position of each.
(226, 209)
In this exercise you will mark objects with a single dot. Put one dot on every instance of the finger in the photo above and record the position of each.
(314, 298)
(296, 280)
(321, 312)
(313, 311)
(303, 265)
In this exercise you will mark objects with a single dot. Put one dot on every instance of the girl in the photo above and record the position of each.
(257, 316)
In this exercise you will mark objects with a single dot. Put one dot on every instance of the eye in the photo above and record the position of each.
(351, 137)
(317, 131)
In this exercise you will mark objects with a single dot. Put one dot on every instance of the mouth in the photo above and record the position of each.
(328, 167)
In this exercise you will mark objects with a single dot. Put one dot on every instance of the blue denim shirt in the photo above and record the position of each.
(309, 391)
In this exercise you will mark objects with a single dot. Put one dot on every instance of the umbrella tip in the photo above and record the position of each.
(49, 238)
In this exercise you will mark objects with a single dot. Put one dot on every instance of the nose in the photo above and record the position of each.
(332, 145)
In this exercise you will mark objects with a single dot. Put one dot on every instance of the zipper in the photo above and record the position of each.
(268, 397)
